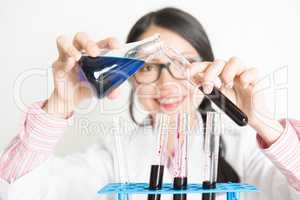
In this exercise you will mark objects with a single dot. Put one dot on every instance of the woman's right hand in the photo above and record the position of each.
(68, 90)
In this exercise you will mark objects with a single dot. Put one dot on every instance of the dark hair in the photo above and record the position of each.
(191, 30)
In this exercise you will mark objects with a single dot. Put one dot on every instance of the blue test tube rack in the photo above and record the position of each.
(232, 190)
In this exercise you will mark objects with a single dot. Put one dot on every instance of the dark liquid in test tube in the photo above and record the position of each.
(208, 185)
(156, 180)
(180, 183)
(227, 106)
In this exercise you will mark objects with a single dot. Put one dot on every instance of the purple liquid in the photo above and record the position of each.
(106, 73)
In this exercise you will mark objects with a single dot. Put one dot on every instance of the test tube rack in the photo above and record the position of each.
(123, 190)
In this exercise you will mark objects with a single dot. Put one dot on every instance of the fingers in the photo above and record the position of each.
(108, 43)
(234, 67)
(114, 94)
(61, 68)
(211, 74)
(198, 67)
(83, 43)
(66, 49)
(196, 70)
(248, 77)
(207, 74)
(71, 51)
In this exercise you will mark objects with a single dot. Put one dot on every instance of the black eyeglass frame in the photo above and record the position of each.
(166, 66)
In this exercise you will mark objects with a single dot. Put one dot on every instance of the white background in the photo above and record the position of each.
(264, 34)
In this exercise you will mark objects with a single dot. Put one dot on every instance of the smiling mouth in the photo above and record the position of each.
(170, 103)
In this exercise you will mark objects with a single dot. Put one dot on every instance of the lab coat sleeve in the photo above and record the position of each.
(267, 168)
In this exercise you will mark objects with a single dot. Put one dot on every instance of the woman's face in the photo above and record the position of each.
(167, 94)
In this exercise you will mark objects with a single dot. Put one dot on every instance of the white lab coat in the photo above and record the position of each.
(80, 176)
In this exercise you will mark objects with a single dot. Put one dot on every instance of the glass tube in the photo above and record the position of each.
(211, 152)
(122, 165)
(159, 158)
(180, 159)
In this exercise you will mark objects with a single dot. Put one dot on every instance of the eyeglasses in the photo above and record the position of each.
(151, 72)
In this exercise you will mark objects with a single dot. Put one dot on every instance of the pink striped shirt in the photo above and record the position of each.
(33, 145)
(40, 133)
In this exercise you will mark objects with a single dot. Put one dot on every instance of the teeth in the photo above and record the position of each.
(170, 100)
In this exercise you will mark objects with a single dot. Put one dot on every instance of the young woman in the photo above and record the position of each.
(268, 159)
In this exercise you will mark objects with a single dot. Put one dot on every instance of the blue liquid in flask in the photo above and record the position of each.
(106, 73)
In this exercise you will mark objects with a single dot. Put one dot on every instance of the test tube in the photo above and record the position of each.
(225, 104)
(180, 159)
(157, 168)
(211, 143)
(121, 165)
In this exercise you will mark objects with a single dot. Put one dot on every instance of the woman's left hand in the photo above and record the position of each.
(239, 84)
